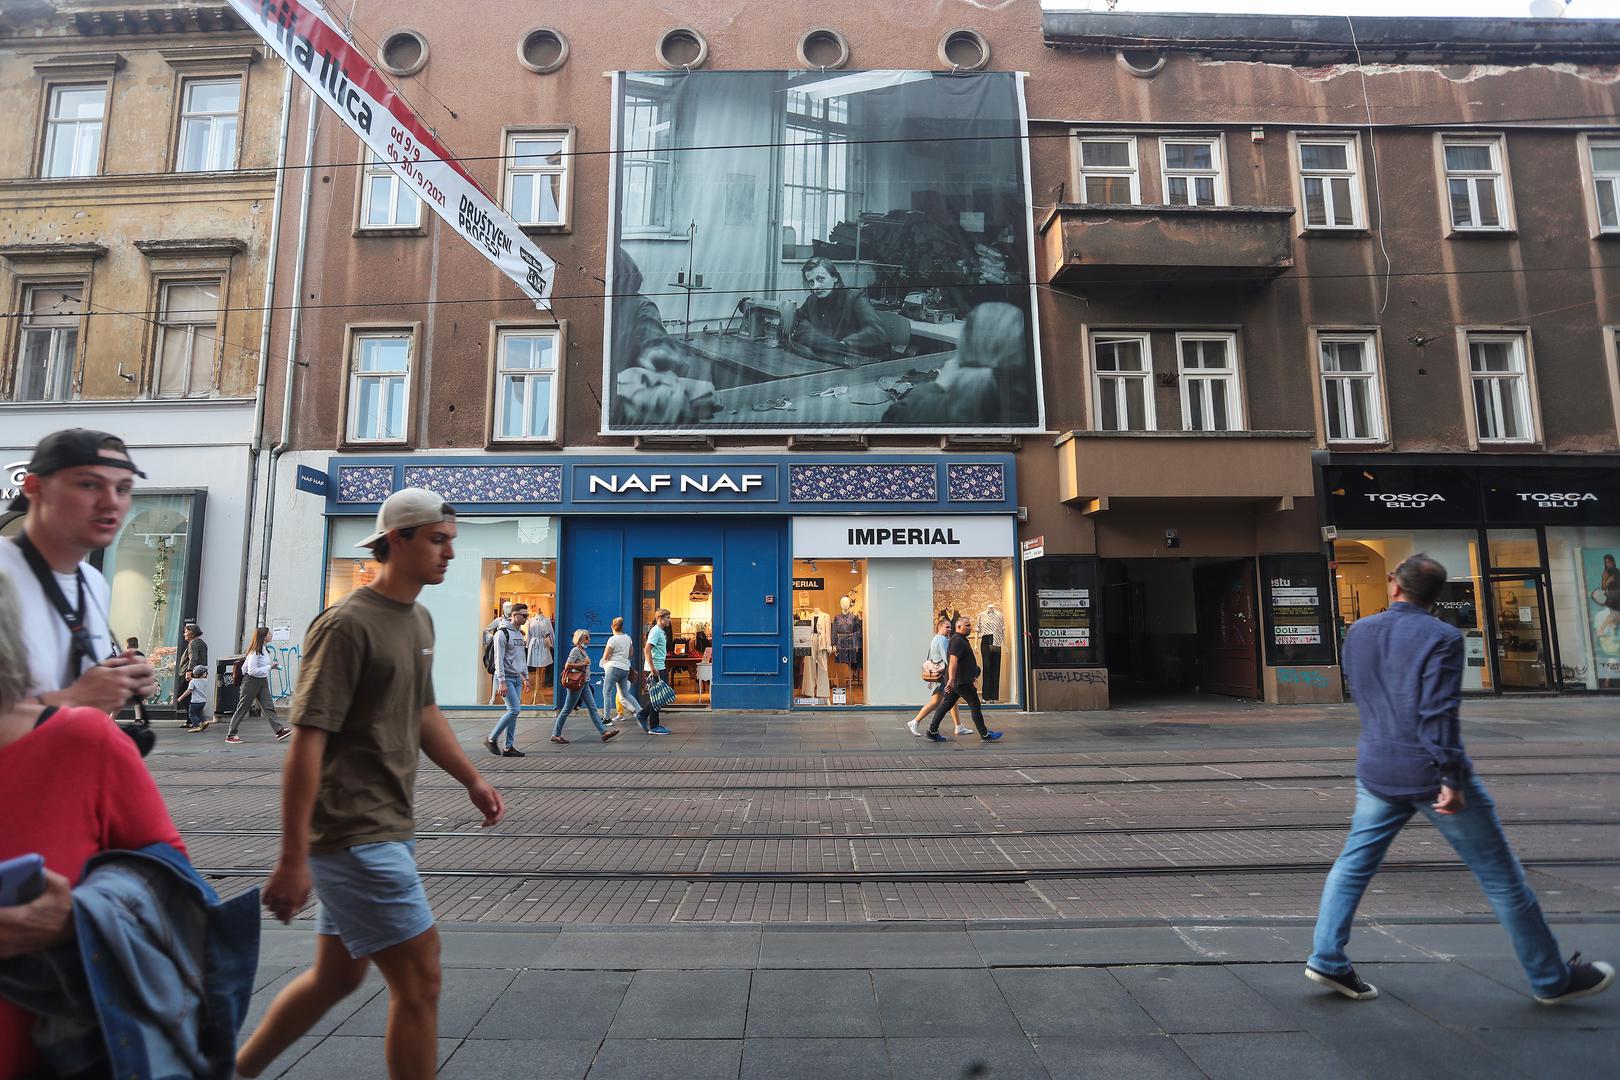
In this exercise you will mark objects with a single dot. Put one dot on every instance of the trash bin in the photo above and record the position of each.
(225, 691)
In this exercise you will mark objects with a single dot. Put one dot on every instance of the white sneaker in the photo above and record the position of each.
(963, 730)
(912, 724)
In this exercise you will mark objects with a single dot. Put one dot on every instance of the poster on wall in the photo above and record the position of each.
(1602, 578)
(815, 250)
(1297, 608)
(1063, 619)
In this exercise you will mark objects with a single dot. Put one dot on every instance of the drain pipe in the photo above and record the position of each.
(256, 451)
(294, 321)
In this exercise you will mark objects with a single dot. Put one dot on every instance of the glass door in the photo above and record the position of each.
(685, 587)
(1519, 618)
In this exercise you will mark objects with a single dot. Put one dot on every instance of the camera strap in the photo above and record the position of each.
(72, 618)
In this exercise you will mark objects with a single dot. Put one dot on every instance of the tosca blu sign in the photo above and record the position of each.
(324, 56)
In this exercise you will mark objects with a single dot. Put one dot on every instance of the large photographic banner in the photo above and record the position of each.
(801, 251)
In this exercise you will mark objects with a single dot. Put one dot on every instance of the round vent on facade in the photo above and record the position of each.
(402, 52)
(543, 50)
(681, 48)
(1143, 63)
(823, 49)
(964, 50)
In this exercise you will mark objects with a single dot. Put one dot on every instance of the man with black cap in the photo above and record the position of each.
(76, 494)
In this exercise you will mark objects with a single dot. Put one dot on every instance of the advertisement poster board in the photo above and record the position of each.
(820, 250)
(1602, 605)
(1296, 605)
(1064, 621)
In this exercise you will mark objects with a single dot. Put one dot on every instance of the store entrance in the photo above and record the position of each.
(1180, 626)
(1519, 617)
(685, 586)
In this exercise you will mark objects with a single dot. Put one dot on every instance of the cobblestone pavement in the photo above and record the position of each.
(1123, 895)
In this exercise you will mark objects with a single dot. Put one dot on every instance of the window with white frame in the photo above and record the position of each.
(537, 177)
(379, 386)
(1606, 178)
(526, 385)
(1191, 171)
(73, 124)
(1209, 382)
(817, 166)
(187, 339)
(1122, 381)
(1350, 394)
(1108, 170)
(648, 167)
(386, 200)
(48, 342)
(1499, 373)
(1474, 188)
(208, 109)
(1329, 181)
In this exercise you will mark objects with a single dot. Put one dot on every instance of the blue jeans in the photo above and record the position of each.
(194, 713)
(508, 720)
(572, 698)
(619, 678)
(1476, 835)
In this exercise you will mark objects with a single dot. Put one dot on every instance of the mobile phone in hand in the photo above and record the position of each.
(22, 880)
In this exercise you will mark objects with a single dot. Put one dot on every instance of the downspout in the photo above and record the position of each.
(256, 451)
(295, 320)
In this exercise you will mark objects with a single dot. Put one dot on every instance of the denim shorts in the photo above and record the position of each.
(371, 896)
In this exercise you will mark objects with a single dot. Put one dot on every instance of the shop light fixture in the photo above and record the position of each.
(674, 562)
(813, 567)
(853, 568)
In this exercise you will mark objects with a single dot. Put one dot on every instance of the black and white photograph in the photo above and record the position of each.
(820, 250)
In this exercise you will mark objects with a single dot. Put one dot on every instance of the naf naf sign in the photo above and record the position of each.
(714, 485)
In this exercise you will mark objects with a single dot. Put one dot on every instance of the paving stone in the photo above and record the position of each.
(928, 1004)
(595, 950)
(353, 1058)
(1121, 945)
(668, 1059)
(290, 1057)
(948, 1059)
(864, 949)
(1554, 1053)
(1072, 1001)
(683, 1005)
(1199, 999)
(814, 1059)
(555, 1005)
(1458, 997)
(507, 1059)
(334, 1018)
(1116, 1057)
(466, 995)
(811, 1004)
(1267, 1055)
(526, 949)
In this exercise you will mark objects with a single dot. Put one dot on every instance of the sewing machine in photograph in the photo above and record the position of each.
(926, 306)
(768, 320)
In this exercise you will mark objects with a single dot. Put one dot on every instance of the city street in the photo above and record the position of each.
(1121, 894)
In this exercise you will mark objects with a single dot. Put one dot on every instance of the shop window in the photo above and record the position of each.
(525, 385)
(1108, 172)
(982, 589)
(187, 338)
(1499, 375)
(386, 200)
(1351, 403)
(1583, 569)
(48, 343)
(1476, 191)
(1605, 158)
(208, 119)
(379, 387)
(1122, 382)
(73, 128)
(830, 632)
(146, 570)
(1210, 398)
(1192, 172)
(537, 169)
(533, 583)
(1329, 181)
(1363, 562)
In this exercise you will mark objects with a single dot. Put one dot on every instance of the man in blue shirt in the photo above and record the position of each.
(1404, 667)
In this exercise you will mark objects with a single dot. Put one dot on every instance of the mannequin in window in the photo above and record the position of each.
(992, 626)
(815, 678)
(847, 639)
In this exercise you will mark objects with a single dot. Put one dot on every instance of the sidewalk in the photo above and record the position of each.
(944, 1000)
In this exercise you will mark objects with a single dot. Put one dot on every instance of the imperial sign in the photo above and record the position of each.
(324, 56)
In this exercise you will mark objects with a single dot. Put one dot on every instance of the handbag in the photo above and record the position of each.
(933, 670)
(573, 678)
(659, 693)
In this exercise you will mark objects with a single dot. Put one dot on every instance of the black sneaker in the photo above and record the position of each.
(489, 744)
(512, 751)
(1349, 984)
(1584, 981)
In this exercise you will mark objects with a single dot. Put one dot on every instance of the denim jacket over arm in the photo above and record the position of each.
(1404, 667)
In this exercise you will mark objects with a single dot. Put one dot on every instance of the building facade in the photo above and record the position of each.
(137, 187)
(1129, 293)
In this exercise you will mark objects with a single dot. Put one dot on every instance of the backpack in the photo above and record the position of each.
(489, 648)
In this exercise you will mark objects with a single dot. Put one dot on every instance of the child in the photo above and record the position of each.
(196, 697)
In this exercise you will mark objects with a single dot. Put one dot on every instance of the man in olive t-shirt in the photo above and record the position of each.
(363, 715)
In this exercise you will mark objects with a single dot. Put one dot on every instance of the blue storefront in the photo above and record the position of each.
(791, 581)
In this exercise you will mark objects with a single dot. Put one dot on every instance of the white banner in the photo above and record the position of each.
(324, 56)
(902, 536)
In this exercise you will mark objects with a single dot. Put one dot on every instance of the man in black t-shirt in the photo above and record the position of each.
(961, 673)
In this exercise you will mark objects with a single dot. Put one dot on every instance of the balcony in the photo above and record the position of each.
(1271, 468)
(1085, 244)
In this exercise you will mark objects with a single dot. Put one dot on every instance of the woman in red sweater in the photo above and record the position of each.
(72, 784)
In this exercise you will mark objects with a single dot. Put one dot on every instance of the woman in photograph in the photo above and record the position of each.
(973, 386)
(1608, 594)
(578, 668)
(834, 323)
(937, 655)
